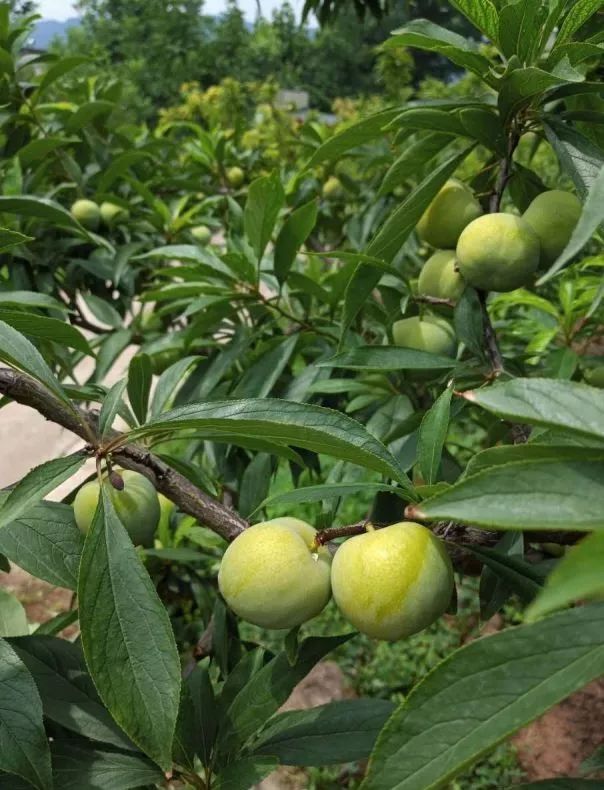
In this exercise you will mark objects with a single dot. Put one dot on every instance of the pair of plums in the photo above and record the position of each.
(388, 583)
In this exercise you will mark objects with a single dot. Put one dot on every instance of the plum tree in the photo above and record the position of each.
(136, 505)
(553, 216)
(392, 582)
(453, 208)
(235, 176)
(112, 213)
(202, 234)
(332, 188)
(498, 252)
(439, 277)
(273, 576)
(87, 213)
(430, 333)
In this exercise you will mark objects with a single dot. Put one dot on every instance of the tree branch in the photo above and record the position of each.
(190, 499)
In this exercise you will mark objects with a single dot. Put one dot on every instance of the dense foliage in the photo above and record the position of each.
(249, 314)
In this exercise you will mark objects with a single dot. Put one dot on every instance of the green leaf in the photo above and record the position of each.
(23, 745)
(468, 321)
(591, 218)
(56, 624)
(103, 311)
(340, 732)
(553, 403)
(393, 234)
(197, 721)
(124, 623)
(423, 34)
(579, 157)
(265, 200)
(140, 376)
(111, 407)
(510, 453)
(31, 299)
(36, 150)
(520, 23)
(45, 542)
(170, 382)
(58, 69)
(45, 328)
(260, 378)
(561, 784)
(281, 422)
(412, 159)
(354, 135)
(578, 576)
(268, 689)
(13, 619)
(88, 112)
(526, 670)
(19, 353)
(119, 167)
(494, 590)
(432, 436)
(328, 491)
(11, 238)
(245, 773)
(482, 14)
(296, 229)
(523, 85)
(522, 578)
(36, 484)
(579, 12)
(255, 483)
(76, 766)
(554, 494)
(387, 358)
(67, 692)
(42, 208)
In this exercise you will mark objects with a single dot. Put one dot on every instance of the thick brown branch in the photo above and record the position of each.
(168, 482)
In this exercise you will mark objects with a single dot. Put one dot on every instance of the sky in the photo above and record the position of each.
(63, 9)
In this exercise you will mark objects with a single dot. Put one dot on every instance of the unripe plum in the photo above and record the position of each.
(439, 277)
(273, 576)
(202, 234)
(235, 176)
(453, 208)
(332, 188)
(87, 213)
(137, 506)
(498, 252)
(431, 334)
(112, 213)
(595, 376)
(553, 216)
(392, 582)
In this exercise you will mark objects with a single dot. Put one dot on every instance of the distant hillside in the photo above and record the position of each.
(47, 29)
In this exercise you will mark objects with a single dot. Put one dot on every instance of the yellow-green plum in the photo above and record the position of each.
(235, 176)
(87, 213)
(453, 208)
(498, 252)
(273, 576)
(431, 334)
(595, 376)
(439, 277)
(332, 188)
(553, 216)
(137, 506)
(111, 213)
(392, 582)
(166, 508)
(202, 234)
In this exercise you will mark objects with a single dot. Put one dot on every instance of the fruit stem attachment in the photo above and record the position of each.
(323, 536)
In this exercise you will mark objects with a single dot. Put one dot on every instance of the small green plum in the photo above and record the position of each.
(87, 213)
(431, 333)
(392, 582)
(553, 216)
(166, 508)
(137, 507)
(498, 252)
(202, 234)
(235, 177)
(595, 376)
(111, 213)
(439, 277)
(453, 208)
(332, 188)
(273, 575)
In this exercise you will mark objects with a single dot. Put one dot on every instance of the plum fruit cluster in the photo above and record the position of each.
(388, 583)
(491, 252)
